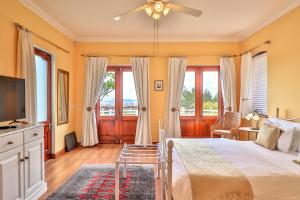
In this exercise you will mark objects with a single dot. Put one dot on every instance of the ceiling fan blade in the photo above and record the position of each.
(137, 9)
(183, 9)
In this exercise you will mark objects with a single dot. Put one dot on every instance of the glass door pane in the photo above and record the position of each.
(210, 93)
(42, 88)
(130, 102)
(188, 95)
(107, 97)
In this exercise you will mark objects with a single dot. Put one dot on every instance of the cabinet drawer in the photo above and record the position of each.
(11, 141)
(33, 134)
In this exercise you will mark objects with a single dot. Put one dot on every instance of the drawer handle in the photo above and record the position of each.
(10, 142)
(35, 134)
(21, 160)
(26, 157)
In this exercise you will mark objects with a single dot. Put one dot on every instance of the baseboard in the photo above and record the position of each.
(61, 152)
(38, 193)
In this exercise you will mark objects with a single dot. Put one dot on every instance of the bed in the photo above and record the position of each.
(271, 175)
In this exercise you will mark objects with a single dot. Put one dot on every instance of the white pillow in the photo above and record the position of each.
(286, 139)
(283, 124)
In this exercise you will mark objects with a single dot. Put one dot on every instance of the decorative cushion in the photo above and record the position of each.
(285, 140)
(268, 136)
(283, 124)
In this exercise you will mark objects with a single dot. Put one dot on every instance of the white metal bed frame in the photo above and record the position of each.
(157, 154)
(162, 152)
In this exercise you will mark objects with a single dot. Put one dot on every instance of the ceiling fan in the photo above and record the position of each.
(158, 8)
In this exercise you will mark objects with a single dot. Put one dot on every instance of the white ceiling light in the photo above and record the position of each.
(156, 16)
(149, 11)
(166, 11)
(158, 6)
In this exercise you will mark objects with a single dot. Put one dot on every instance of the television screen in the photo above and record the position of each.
(12, 98)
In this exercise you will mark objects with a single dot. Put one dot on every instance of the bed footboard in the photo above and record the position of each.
(166, 168)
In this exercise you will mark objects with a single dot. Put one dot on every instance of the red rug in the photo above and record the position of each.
(97, 182)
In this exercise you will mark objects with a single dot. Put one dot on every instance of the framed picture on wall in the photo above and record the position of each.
(158, 85)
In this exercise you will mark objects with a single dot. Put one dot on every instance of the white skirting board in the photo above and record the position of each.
(38, 193)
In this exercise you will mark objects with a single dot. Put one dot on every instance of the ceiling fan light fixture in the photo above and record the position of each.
(166, 11)
(118, 18)
(158, 6)
(156, 16)
(148, 10)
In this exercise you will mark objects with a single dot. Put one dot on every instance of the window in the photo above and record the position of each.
(118, 94)
(260, 84)
(130, 103)
(210, 93)
(107, 97)
(41, 88)
(188, 95)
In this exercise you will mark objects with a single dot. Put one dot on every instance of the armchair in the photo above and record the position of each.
(227, 126)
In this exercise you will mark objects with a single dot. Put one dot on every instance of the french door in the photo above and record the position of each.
(43, 77)
(201, 101)
(117, 108)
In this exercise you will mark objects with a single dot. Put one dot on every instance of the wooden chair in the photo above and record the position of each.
(227, 126)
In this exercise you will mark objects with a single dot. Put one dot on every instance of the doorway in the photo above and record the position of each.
(117, 108)
(44, 96)
(201, 101)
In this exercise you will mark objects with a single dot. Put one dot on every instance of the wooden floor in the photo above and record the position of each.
(58, 170)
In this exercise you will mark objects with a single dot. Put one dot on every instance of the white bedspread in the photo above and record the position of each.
(272, 174)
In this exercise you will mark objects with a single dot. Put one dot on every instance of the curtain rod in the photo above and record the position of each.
(267, 42)
(41, 37)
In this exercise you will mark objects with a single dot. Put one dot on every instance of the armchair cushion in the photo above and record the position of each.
(222, 132)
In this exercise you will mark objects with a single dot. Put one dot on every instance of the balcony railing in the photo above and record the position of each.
(106, 111)
(191, 112)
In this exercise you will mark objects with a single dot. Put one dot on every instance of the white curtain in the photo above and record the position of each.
(228, 82)
(246, 85)
(26, 68)
(176, 74)
(140, 68)
(95, 73)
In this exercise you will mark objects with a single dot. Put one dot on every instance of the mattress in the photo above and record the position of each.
(272, 174)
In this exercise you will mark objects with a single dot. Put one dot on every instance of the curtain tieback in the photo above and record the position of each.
(89, 109)
(174, 109)
(143, 108)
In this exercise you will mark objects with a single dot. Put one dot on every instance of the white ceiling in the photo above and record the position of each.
(222, 20)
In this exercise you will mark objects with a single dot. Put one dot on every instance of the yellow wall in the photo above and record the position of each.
(12, 11)
(283, 69)
(283, 63)
(158, 67)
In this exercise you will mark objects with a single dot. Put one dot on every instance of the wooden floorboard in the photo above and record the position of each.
(59, 170)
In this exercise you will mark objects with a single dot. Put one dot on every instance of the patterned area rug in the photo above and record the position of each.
(97, 182)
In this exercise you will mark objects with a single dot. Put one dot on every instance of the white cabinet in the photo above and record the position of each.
(22, 164)
(12, 174)
(34, 166)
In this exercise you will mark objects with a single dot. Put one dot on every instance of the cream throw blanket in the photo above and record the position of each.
(212, 177)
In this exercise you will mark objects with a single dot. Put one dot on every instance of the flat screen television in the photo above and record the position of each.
(12, 98)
